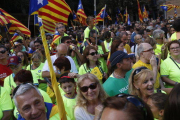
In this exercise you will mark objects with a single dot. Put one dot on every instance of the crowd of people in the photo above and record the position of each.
(111, 72)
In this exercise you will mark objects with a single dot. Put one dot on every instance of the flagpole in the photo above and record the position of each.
(28, 20)
(95, 16)
(7, 32)
(104, 15)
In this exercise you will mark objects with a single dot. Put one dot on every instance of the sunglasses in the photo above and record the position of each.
(135, 101)
(3, 51)
(69, 42)
(91, 86)
(148, 50)
(60, 27)
(93, 53)
(138, 70)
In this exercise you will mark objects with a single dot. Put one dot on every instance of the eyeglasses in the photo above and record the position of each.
(60, 27)
(3, 51)
(91, 86)
(135, 101)
(139, 38)
(68, 42)
(14, 66)
(138, 70)
(93, 53)
(151, 49)
(175, 48)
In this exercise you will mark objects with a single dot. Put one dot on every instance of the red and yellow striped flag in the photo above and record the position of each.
(3, 20)
(55, 11)
(15, 24)
(139, 12)
(56, 37)
(81, 13)
(49, 26)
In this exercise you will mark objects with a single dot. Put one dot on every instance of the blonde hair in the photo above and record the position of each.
(138, 78)
(81, 100)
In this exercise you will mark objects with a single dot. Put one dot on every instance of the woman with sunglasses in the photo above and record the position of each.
(36, 70)
(24, 59)
(125, 107)
(90, 97)
(170, 67)
(141, 83)
(91, 61)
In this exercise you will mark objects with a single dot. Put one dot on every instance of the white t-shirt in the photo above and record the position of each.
(53, 58)
(132, 49)
(80, 113)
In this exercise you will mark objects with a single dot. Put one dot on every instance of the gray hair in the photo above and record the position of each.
(23, 88)
(136, 36)
(31, 44)
(36, 55)
(157, 33)
(140, 49)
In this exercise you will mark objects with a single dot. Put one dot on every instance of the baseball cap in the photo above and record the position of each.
(118, 56)
(14, 60)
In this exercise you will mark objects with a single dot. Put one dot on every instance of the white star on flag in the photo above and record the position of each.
(79, 6)
(40, 2)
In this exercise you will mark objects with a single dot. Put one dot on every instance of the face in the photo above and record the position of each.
(138, 39)
(120, 47)
(69, 89)
(168, 27)
(124, 39)
(36, 62)
(91, 94)
(20, 55)
(146, 86)
(31, 106)
(3, 54)
(93, 39)
(91, 22)
(172, 30)
(61, 28)
(126, 64)
(112, 34)
(68, 42)
(62, 52)
(38, 46)
(148, 52)
(18, 47)
(92, 55)
(113, 114)
(153, 108)
(15, 68)
(174, 49)
(161, 38)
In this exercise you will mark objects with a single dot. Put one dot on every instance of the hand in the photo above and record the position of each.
(73, 75)
(153, 61)
(98, 110)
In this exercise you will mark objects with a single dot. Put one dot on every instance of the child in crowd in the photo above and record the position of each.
(68, 85)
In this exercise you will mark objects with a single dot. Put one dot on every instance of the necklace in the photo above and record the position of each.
(114, 74)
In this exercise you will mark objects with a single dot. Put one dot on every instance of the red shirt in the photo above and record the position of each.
(4, 72)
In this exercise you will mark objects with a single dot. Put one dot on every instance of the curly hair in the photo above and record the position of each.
(136, 79)
(81, 100)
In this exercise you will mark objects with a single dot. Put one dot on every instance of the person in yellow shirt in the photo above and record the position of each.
(124, 38)
(68, 85)
(148, 59)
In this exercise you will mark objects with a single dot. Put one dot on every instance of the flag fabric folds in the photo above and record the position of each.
(81, 13)
(119, 13)
(3, 20)
(48, 25)
(126, 15)
(175, 12)
(54, 11)
(15, 24)
(61, 109)
(168, 7)
(14, 38)
(101, 15)
(56, 37)
(75, 17)
(139, 12)
(145, 13)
